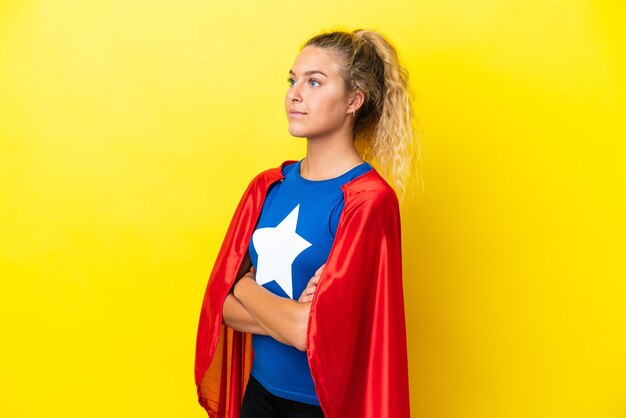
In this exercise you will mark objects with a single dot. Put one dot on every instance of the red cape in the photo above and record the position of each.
(356, 337)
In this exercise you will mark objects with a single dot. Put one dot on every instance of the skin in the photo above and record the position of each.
(320, 109)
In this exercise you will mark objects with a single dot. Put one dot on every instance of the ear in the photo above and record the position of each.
(356, 101)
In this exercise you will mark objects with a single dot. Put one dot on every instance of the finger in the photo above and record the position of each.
(310, 283)
(318, 272)
(306, 292)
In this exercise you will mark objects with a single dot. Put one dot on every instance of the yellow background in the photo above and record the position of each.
(130, 128)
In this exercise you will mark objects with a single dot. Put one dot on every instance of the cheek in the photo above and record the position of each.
(335, 109)
(331, 104)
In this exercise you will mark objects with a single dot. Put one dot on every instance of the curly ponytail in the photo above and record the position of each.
(383, 128)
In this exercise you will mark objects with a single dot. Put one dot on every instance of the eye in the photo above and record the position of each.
(314, 83)
(291, 81)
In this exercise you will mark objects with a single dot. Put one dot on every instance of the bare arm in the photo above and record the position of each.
(235, 315)
(283, 318)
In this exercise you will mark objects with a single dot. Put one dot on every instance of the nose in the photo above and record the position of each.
(293, 94)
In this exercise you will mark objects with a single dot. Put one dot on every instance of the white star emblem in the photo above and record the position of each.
(277, 248)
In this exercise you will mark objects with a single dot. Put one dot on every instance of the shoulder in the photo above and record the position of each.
(371, 201)
(370, 190)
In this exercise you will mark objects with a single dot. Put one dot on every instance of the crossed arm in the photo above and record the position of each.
(251, 308)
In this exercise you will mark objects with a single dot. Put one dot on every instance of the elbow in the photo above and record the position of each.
(300, 341)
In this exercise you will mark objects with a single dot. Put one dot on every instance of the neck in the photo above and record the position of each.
(329, 157)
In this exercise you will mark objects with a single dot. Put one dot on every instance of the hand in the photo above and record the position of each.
(307, 293)
(250, 275)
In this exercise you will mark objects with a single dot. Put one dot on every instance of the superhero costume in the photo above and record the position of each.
(356, 336)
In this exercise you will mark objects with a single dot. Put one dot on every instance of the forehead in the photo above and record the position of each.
(312, 58)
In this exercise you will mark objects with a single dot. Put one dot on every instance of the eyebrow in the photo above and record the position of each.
(310, 72)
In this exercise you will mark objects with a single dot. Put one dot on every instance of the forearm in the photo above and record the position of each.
(236, 316)
(284, 319)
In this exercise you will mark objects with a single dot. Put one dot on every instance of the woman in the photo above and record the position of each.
(309, 274)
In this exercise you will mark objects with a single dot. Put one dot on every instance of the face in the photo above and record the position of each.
(317, 103)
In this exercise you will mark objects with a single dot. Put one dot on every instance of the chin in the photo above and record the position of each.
(298, 133)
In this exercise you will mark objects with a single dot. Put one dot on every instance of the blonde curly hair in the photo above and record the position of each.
(384, 131)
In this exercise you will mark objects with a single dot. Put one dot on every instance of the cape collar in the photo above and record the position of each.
(353, 186)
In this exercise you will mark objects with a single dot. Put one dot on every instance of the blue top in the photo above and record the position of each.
(291, 241)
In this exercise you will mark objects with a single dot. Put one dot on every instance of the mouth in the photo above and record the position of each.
(295, 114)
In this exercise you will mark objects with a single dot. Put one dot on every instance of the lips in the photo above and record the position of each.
(296, 114)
